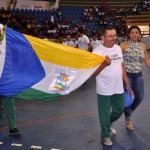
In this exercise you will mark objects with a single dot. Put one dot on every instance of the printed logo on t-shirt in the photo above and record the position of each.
(116, 58)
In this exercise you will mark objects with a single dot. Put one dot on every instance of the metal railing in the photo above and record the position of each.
(145, 33)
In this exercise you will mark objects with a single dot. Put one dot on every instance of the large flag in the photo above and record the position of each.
(50, 69)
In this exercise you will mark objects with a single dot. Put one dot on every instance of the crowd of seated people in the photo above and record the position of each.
(103, 17)
(139, 7)
(50, 24)
(50, 27)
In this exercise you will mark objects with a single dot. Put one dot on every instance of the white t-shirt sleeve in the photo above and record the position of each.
(98, 51)
(87, 40)
(73, 44)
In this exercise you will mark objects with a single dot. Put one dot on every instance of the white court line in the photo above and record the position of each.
(33, 146)
(37, 147)
(16, 144)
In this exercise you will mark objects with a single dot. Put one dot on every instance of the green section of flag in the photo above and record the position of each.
(33, 94)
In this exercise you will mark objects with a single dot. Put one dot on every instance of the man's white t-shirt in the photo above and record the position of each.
(83, 42)
(70, 43)
(95, 44)
(110, 79)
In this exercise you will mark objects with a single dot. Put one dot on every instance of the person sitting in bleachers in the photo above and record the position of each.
(69, 41)
(61, 40)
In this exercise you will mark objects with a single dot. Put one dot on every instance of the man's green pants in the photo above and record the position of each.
(9, 108)
(110, 109)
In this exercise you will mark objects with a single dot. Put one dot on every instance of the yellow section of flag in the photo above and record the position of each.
(64, 55)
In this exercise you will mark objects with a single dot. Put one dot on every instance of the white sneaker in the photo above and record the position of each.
(113, 131)
(107, 141)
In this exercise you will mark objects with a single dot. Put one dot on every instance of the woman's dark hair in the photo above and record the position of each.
(134, 27)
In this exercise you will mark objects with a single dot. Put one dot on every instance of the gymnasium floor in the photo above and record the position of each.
(71, 123)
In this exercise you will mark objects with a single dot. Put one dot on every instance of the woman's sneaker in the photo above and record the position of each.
(107, 141)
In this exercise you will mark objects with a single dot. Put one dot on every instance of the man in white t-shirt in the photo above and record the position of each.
(83, 41)
(95, 42)
(109, 83)
(69, 41)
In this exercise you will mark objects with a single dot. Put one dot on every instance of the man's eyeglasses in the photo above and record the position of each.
(110, 36)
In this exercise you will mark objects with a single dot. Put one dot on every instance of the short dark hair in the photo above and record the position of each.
(134, 27)
(80, 30)
(105, 29)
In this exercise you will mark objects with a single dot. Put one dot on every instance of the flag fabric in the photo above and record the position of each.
(33, 68)
(20, 67)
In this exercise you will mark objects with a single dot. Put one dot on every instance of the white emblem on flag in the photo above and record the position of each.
(62, 80)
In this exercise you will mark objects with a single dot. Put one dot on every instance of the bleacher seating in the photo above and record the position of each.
(74, 15)
(143, 18)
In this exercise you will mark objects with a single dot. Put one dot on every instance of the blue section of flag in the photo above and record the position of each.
(22, 68)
